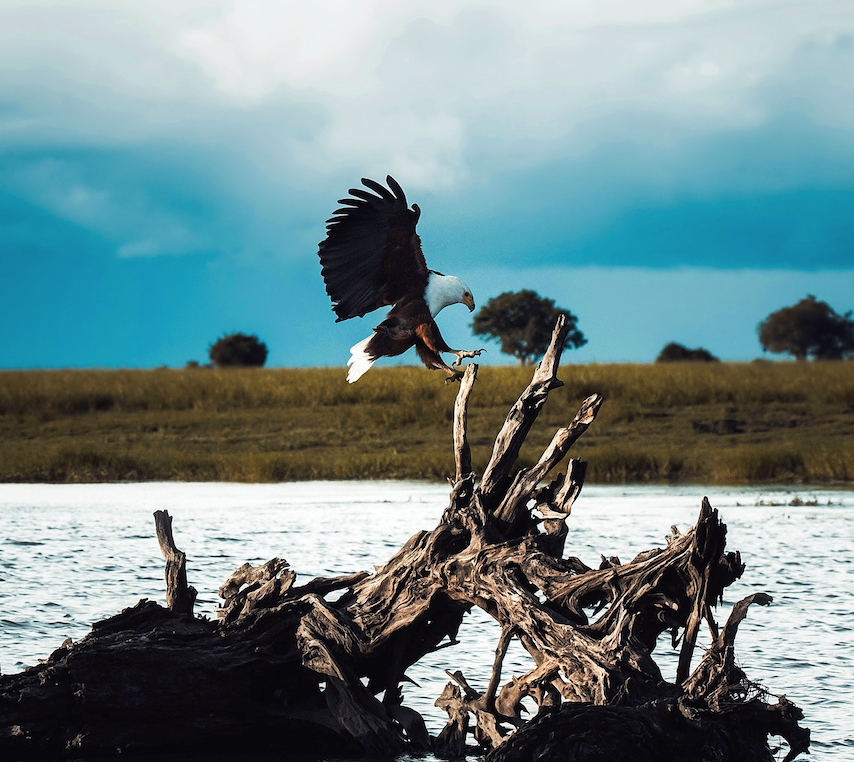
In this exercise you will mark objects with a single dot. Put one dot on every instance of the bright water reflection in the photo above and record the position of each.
(73, 554)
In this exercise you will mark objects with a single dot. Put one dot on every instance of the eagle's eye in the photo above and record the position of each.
(466, 295)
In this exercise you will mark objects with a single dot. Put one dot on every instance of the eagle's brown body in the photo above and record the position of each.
(371, 258)
(409, 324)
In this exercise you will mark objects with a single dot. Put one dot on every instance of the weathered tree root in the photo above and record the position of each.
(284, 663)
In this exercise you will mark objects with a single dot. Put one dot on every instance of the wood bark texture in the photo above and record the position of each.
(294, 670)
(180, 597)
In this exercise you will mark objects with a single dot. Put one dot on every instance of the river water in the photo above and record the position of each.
(73, 554)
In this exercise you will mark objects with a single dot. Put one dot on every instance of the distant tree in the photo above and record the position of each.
(238, 350)
(809, 328)
(674, 352)
(523, 321)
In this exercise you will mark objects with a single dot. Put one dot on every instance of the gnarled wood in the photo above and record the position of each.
(521, 417)
(180, 596)
(462, 451)
(513, 505)
(286, 662)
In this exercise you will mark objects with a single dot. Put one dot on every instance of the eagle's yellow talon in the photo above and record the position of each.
(464, 354)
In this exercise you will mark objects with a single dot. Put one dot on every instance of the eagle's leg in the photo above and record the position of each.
(430, 345)
(454, 371)
(462, 354)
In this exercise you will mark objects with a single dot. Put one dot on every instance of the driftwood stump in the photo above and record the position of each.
(180, 597)
(289, 669)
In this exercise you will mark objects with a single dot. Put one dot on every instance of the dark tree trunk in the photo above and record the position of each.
(288, 669)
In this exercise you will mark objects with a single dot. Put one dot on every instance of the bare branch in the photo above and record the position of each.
(521, 417)
(570, 488)
(706, 551)
(495, 679)
(462, 451)
(180, 597)
(527, 479)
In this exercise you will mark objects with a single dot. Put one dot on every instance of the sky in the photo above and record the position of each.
(672, 170)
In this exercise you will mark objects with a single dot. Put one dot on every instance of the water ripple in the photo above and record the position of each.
(90, 550)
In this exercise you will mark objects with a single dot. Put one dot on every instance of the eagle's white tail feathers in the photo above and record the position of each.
(360, 361)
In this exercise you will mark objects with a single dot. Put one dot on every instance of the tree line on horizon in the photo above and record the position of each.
(521, 322)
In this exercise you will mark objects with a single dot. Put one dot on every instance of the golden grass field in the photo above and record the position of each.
(711, 423)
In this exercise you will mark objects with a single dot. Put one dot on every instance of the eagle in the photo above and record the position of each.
(372, 258)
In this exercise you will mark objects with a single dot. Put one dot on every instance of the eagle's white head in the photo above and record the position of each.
(443, 290)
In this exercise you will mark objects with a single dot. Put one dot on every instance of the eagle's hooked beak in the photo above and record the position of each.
(468, 300)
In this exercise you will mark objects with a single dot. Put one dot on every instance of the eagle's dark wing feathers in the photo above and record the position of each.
(383, 192)
(372, 256)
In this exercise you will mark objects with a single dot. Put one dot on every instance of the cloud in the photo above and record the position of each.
(538, 72)
(228, 128)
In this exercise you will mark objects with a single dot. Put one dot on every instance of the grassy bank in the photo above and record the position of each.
(711, 423)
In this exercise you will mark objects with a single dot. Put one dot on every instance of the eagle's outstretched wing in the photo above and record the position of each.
(372, 256)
